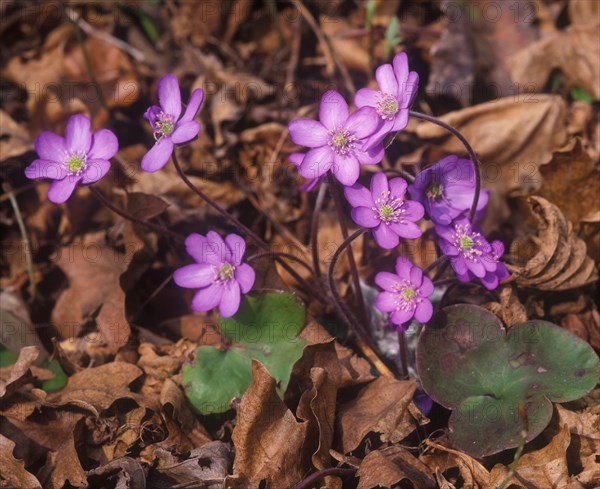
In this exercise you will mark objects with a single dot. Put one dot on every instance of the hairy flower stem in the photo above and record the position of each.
(149, 225)
(351, 261)
(314, 229)
(343, 310)
(251, 234)
(403, 352)
(472, 155)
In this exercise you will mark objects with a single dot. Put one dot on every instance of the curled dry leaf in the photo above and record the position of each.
(442, 459)
(14, 138)
(12, 377)
(389, 466)
(125, 472)
(510, 309)
(586, 325)
(13, 472)
(575, 51)
(62, 467)
(381, 407)
(268, 439)
(540, 469)
(555, 259)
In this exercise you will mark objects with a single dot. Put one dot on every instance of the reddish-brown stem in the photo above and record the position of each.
(310, 481)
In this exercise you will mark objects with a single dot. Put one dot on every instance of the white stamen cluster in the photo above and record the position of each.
(389, 208)
(467, 242)
(224, 274)
(75, 162)
(163, 125)
(406, 296)
(387, 106)
(341, 140)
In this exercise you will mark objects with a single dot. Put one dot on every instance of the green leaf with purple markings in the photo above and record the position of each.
(471, 365)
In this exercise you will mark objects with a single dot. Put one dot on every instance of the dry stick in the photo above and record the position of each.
(363, 340)
(314, 229)
(472, 155)
(337, 200)
(154, 227)
(251, 234)
(403, 352)
(312, 478)
(282, 254)
(24, 237)
(327, 50)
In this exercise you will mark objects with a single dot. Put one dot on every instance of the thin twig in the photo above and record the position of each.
(470, 150)
(337, 200)
(124, 214)
(24, 237)
(88, 29)
(403, 352)
(281, 254)
(363, 338)
(251, 234)
(314, 229)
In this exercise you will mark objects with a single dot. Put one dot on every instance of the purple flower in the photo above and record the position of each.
(405, 293)
(385, 210)
(491, 279)
(447, 188)
(397, 90)
(336, 141)
(80, 157)
(468, 250)
(219, 272)
(168, 128)
(296, 160)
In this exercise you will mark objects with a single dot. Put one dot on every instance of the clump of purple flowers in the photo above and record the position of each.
(336, 142)
(218, 272)
(397, 90)
(405, 294)
(470, 253)
(81, 157)
(169, 129)
(447, 189)
(385, 210)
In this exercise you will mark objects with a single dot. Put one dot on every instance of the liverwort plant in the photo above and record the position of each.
(81, 157)
(336, 141)
(397, 90)
(169, 129)
(385, 210)
(405, 294)
(218, 272)
(447, 188)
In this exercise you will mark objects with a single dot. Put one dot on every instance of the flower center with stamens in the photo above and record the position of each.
(226, 272)
(435, 191)
(467, 242)
(408, 296)
(163, 125)
(389, 208)
(75, 163)
(387, 106)
(341, 140)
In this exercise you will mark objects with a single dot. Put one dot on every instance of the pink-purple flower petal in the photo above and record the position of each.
(358, 196)
(387, 281)
(365, 217)
(245, 276)
(386, 301)
(385, 236)
(333, 110)
(169, 95)
(78, 136)
(207, 298)
(366, 97)
(158, 156)
(236, 248)
(46, 169)
(309, 133)
(317, 162)
(61, 190)
(363, 122)
(379, 186)
(50, 146)
(104, 145)
(185, 131)
(230, 300)
(346, 169)
(193, 105)
(95, 169)
(400, 64)
(194, 276)
(386, 79)
(423, 311)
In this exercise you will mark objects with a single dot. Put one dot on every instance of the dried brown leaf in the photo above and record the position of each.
(14, 138)
(575, 51)
(472, 472)
(556, 259)
(13, 473)
(350, 51)
(389, 466)
(13, 376)
(572, 182)
(584, 12)
(540, 469)
(124, 473)
(63, 465)
(268, 439)
(381, 407)
(586, 325)
(145, 206)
